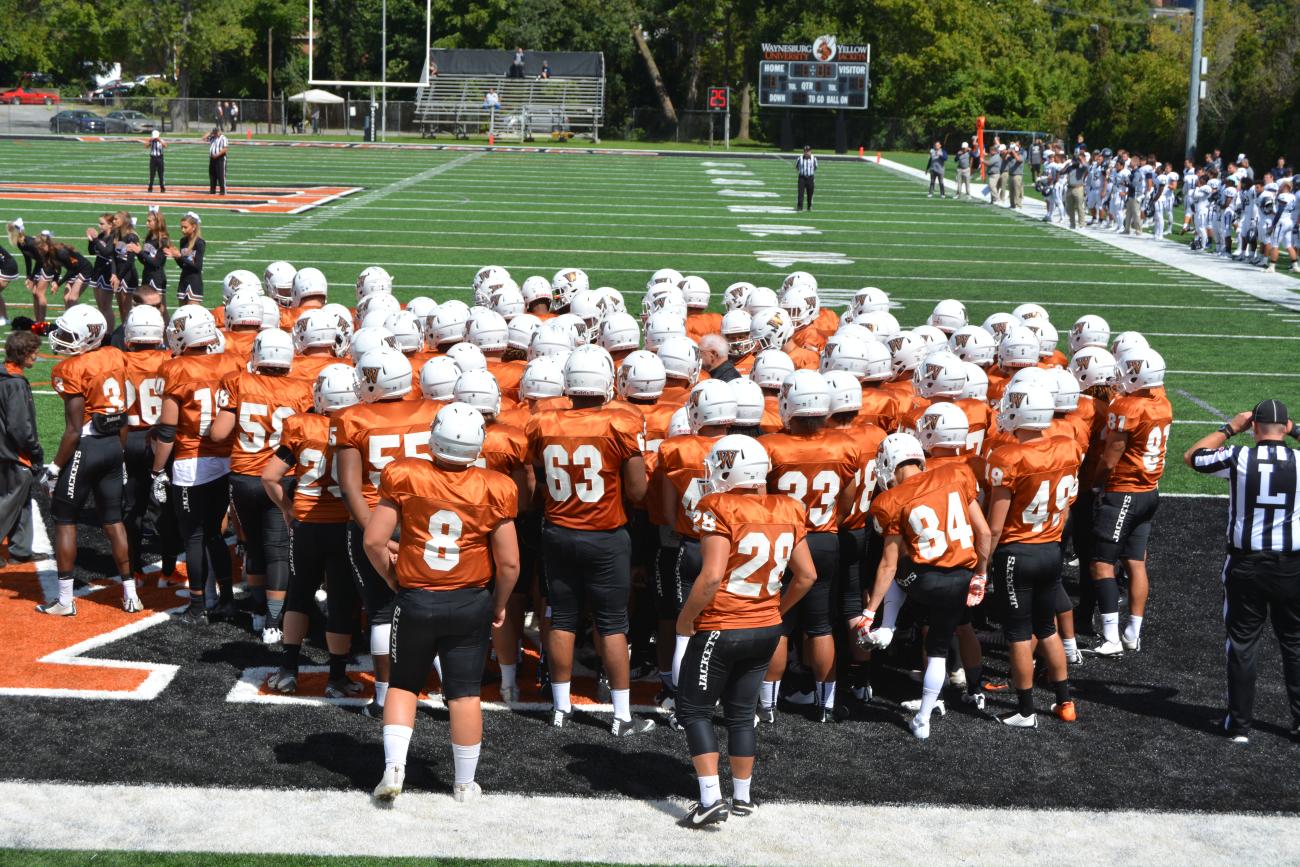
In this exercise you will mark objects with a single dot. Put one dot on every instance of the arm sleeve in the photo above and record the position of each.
(1215, 462)
(200, 246)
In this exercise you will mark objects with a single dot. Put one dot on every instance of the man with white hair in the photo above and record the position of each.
(714, 358)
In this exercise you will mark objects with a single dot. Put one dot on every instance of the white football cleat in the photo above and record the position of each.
(1134, 644)
(975, 698)
(920, 728)
(1108, 649)
(466, 792)
(58, 609)
(132, 604)
(957, 678)
(914, 706)
(391, 785)
(271, 635)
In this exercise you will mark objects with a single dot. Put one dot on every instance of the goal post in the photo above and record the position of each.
(383, 82)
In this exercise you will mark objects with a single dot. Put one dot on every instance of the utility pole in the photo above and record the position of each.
(1194, 87)
(383, 72)
(268, 79)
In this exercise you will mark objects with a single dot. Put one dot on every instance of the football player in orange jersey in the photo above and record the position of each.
(936, 546)
(453, 574)
(277, 283)
(543, 380)
(197, 486)
(255, 402)
(591, 460)
(800, 302)
(620, 335)
(906, 351)
(505, 450)
(310, 292)
(92, 383)
(317, 521)
(320, 339)
(230, 284)
(639, 382)
(815, 466)
(731, 622)
(771, 367)
(1031, 485)
(144, 358)
(682, 368)
(750, 404)
(537, 296)
(1128, 475)
(243, 314)
(408, 337)
(1096, 372)
(740, 346)
(871, 364)
(699, 321)
(1017, 350)
(365, 439)
(772, 328)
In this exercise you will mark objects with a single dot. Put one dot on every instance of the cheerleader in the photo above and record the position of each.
(152, 254)
(36, 281)
(189, 255)
(8, 272)
(99, 241)
(125, 279)
(75, 266)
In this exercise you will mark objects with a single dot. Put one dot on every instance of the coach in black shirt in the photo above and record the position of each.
(1261, 577)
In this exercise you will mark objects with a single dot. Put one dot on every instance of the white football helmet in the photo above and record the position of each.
(589, 306)
(848, 354)
(314, 328)
(679, 423)
(799, 278)
(1026, 407)
(750, 401)
(681, 358)
(457, 434)
(1029, 310)
(144, 326)
(507, 301)
(664, 296)
(335, 388)
(1089, 330)
(277, 280)
(467, 357)
(1126, 342)
(948, 315)
(577, 326)
(846, 391)
(974, 344)
(710, 403)
(737, 461)
(520, 333)
(998, 324)
(487, 330)
(551, 338)
(760, 298)
(906, 351)
(270, 313)
(934, 339)
(341, 318)
(662, 325)
(1141, 368)
(380, 305)
(735, 330)
(1065, 390)
(977, 383)
(488, 275)
(800, 301)
(867, 300)
(896, 450)
(448, 324)
(1047, 336)
(308, 283)
(81, 328)
(535, 288)
(1035, 376)
(239, 279)
(382, 373)
(771, 328)
(272, 350)
(771, 367)
(589, 372)
(1093, 366)
(735, 296)
(372, 280)
(479, 389)
(191, 326)
(696, 292)
(670, 276)
(1018, 348)
(942, 426)
(438, 378)
(566, 282)
(543, 377)
(641, 376)
(804, 394)
(880, 323)
(368, 339)
(940, 375)
(405, 328)
(619, 332)
(244, 310)
(423, 307)
(613, 299)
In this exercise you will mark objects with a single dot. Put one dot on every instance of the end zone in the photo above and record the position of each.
(285, 199)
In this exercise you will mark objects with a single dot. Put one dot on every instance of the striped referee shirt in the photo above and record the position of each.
(155, 147)
(807, 166)
(1263, 494)
(217, 147)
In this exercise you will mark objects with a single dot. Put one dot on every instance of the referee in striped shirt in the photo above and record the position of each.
(807, 166)
(217, 145)
(1261, 576)
(156, 146)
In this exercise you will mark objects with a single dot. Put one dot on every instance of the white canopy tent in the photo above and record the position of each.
(319, 97)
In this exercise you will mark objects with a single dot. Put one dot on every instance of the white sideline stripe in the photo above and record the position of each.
(1203, 404)
(614, 830)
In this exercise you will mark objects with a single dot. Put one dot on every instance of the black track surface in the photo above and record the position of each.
(1147, 737)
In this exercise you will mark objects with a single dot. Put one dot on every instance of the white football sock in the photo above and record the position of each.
(1110, 626)
(768, 692)
(710, 791)
(466, 761)
(622, 699)
(1134, 628)
(381, 692)
(740, 788)
(826, 693)
(65, 591)
(936, 671)
(1071, 645)
(397, 739)
(509, 675)
(128, 588)
(560, 696)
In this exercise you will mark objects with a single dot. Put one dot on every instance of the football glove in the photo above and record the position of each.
(881, 637)
(159, 489)
(975, 595)
(49, 478)
(861, 627)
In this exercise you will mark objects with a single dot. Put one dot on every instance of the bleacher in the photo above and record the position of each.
(531, 108)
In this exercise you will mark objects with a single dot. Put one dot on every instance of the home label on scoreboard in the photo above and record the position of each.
(824, 74)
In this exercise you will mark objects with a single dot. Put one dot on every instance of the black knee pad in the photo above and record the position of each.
(700, 737)
(741, 740)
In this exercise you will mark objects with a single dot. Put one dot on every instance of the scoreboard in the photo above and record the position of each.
(824, 74)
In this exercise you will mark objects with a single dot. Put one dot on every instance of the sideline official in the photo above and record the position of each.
(1261, 577)
(156, 146)
(217, 145)
(807, 167)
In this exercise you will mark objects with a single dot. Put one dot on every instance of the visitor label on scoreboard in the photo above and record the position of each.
(825, 74)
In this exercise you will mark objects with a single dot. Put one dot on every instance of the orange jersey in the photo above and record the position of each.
(827, 322)
(448, 517)
(745, 364)
(382, 432)
(288, 316)
(868, 438)
(194, 382)
(813, 469)
(1069, 426)
(260, 403)
(902, 389)
(910, 420)
(681, 462)
(507, 374)
(763, 532)
(240, 344)
(219, 314)
(516, 416)
(657, 417)
(998, 379)
(701, 322)
(317, 498)
(582, 452)
(811, 338)
(1042, 476)
(676, 392)
(880, 407)
(771, 421)
(98, 377)
(505, 448)
(804, 359)
(929, 512)
(1147, 421)
(308, 367)
(144, 386)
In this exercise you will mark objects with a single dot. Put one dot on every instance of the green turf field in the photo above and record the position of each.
(433, 217)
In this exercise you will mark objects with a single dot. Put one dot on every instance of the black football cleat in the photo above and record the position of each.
(701, 817)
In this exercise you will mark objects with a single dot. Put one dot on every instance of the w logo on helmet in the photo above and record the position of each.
(960, 340)
(1083, 361)
(370, 375)
(1134, 366)
(1015, 399)
(726, 459)
(933, 371)
(94, 329)
(929, 422)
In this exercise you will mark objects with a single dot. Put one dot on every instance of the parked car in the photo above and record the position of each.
(112, 90)
(78, 120)
(22, 96)
(130, 121)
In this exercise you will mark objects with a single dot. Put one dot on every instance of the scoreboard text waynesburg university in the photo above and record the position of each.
(821, 75)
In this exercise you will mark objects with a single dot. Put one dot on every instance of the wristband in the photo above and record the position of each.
(1227, 430)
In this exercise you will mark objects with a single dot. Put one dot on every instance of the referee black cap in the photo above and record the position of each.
(1270, 412)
